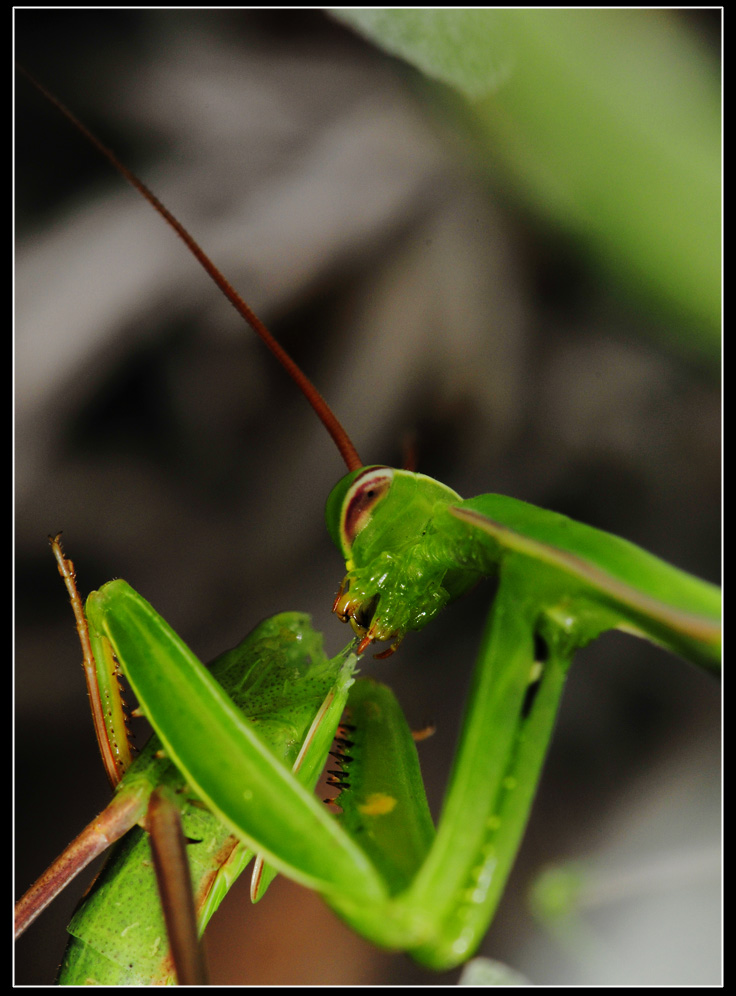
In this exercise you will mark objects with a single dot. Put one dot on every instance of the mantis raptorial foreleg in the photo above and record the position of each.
(293, 696)
(436, 900)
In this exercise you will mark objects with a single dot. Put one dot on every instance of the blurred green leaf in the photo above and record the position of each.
(607, 122)
(557, 892)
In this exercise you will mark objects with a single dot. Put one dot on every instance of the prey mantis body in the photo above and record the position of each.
(534, 619)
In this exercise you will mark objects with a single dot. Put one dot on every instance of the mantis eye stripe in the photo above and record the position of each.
(366, 491)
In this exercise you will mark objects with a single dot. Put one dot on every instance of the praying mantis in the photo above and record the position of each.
(188, 560)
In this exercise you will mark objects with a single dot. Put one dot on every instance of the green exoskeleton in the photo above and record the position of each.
(402, 532)
(293, 698)
(411, 546)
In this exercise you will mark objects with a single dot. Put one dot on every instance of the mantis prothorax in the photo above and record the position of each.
(560, 585)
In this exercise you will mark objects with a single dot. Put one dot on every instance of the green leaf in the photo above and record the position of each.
(606, 122)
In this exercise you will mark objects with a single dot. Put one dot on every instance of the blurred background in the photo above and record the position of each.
(357, 210)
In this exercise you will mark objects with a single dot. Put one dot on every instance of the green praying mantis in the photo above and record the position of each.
(550, 559)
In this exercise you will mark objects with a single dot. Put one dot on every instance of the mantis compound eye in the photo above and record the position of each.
(365, 492)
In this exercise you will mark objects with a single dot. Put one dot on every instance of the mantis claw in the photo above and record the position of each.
(387, 653)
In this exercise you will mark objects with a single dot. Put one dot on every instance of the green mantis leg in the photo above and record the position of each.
(511, 710)
(505, 736)
(293, 698)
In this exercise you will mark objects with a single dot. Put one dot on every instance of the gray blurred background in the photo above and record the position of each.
(159, 435)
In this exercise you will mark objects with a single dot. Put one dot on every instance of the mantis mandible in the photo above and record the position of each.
(77, 558)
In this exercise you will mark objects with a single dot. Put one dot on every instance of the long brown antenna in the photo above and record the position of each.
(325, 414)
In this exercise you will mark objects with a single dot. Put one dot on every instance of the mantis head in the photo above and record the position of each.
(383, 522)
